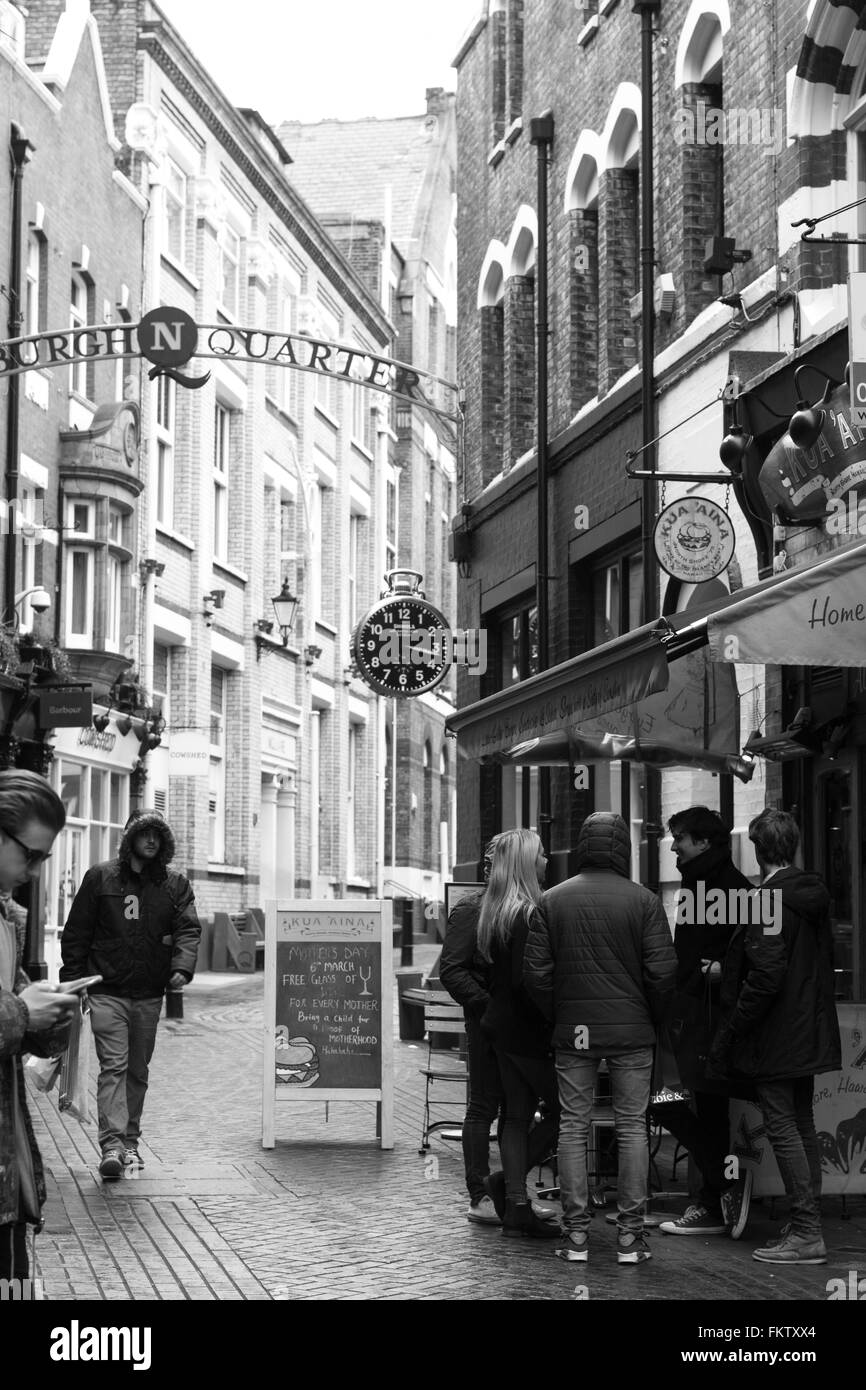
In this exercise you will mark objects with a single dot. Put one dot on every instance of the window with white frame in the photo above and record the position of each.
(161, 679)
(97, 807)
(80, 568)
(355, 523)
(286, 378)
(230, 260)
(35, 286)
(327, 385)
(165, 408)
(175, 211)
(352, 801)
(78, 298)
(316, 511)
(115, 566)
(30, 511)
(217, 770)
(390, 525)
(221, 459)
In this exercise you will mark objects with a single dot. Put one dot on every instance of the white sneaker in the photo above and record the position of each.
(483, 1213)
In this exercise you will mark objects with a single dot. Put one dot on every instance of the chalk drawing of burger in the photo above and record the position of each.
(297, 1062)
(695, 536)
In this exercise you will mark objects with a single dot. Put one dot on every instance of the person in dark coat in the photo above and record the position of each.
(465, 976)
(702, 844)
(34, 1018)
(133, 921)
(779, 1025)
(519, 1032)
(600, 963)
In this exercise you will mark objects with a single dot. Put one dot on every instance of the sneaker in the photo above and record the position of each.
(735, 1205)
(494, 1186)
(631, 1248)
(574, 1247)
(112, 1163)
(793, 1250)
(483, 1213)
(133, 1157)
(696, 1221)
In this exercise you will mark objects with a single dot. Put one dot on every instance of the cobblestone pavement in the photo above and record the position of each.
(326, 1214)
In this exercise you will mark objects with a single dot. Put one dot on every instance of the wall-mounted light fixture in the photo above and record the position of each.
(123, 724)
(212, 601)
(100, 722)
(147, 567)
(285, 607)
(311, 654)
(804, 426)
(262, 628)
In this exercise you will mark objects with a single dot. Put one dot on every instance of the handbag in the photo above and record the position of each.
(690, 1026)
(44, 1071)
(74, 1094)
(667, 1085)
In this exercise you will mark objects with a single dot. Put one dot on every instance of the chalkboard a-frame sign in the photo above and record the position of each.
(328, 1020)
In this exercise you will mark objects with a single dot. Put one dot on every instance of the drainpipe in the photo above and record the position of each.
(541, 135)
(648, 11)
(20, 150)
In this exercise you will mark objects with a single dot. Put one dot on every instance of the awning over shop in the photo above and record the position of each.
(694, 723)
(609, 677)
(813, 617)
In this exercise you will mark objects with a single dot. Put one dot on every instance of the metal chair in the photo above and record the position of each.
(443, 1017)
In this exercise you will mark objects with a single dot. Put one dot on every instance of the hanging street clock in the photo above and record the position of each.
(403, 646)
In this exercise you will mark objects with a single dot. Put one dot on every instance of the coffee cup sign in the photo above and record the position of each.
(694, 540)
(328, 1007)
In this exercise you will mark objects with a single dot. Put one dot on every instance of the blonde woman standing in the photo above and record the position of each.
(518, 1031)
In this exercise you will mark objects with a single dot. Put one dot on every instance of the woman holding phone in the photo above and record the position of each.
(33, 1017)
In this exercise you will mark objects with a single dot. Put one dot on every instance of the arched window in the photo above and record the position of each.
(519, 338)
(491, 306)
(581, 208)
(619, 235)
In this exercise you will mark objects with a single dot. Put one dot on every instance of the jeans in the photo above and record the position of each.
(630, 1075)
(485, 1098)
(124, 1031)
(787, 1110)
(525, 1080)
(705, 1133)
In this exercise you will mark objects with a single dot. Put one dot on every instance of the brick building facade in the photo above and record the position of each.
(754, 127)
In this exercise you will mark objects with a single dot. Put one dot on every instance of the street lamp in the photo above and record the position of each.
(285, 607)
(40, 600)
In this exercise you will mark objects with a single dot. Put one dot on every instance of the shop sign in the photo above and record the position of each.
(61, 708)
(189, 755)
(694, 540)
(800, 483)
(92, 738)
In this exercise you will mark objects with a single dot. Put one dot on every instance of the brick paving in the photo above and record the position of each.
(327, 1214)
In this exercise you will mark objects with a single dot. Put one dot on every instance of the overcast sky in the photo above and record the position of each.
(310, 59)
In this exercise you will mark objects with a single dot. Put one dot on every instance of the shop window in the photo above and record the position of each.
(617, 597)
(217, 769)
(97, 806)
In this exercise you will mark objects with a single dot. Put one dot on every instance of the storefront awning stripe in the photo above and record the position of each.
(815, 616)
(608, 677)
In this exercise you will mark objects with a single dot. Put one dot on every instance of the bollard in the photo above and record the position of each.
(174, 1003)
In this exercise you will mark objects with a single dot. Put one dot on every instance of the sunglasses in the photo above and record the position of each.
(33, 856)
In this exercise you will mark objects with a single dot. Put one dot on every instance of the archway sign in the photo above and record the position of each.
(169, 338)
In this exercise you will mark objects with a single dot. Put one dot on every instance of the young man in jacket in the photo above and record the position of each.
(779, 1025)
(34, 1018)
(133, 921)
(702, 845)
(600, 963)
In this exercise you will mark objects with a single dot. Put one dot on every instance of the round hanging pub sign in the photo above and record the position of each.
(694, 540)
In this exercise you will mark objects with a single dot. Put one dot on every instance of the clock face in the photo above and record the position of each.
(403, 646)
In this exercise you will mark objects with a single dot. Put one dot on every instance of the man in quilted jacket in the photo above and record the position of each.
(600, 963)
(133, 921)
(34, 1018)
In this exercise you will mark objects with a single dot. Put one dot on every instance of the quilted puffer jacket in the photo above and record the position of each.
(600, 956)
(135, 930)
(14, 1041)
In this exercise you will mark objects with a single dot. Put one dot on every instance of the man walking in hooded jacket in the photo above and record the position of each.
(133, 921)
(600, 963)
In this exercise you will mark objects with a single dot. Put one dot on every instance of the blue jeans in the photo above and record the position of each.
(124, 1031)
(787, 1110)
(630, 1075)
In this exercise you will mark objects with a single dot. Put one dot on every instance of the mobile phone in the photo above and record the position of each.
(79, 986)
